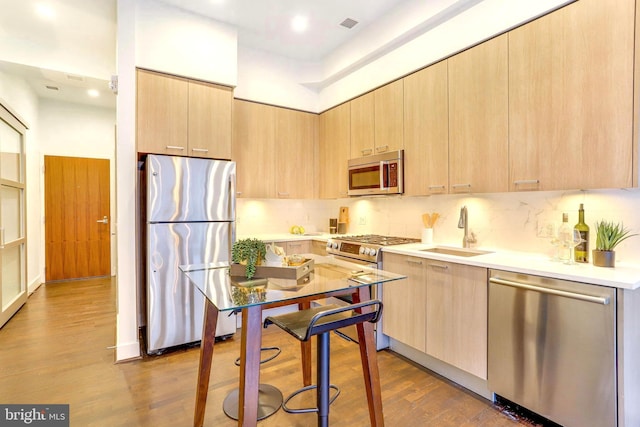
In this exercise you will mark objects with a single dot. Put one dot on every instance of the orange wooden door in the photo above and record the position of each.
(77, 230)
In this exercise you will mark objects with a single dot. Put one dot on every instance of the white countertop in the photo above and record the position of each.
(624, 275)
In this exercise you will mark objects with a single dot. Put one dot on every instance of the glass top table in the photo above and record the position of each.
(224, 292)
(329, 276)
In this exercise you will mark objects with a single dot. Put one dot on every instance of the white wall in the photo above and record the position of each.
(506, 221)
(174, 41)
(76, 130)
(276, 80)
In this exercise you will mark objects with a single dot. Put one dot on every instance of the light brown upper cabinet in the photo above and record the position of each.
(570, 98)
(334, 152)
(296, 135)
(362, 125)
(426, 131)
(254, 149)
(376, 121)
(478, 118)
(388, 103)
(182, 117)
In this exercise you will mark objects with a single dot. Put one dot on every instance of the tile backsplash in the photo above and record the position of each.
(513, 221)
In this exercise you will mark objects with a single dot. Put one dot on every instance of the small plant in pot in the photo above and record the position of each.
(249, 252)
(608, 236)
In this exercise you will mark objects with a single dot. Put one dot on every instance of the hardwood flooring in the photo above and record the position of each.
(59, 349)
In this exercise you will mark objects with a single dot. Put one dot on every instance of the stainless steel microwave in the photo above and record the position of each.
(378, 174)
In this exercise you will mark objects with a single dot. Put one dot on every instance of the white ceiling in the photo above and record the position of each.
(266, 24)
(90, 25)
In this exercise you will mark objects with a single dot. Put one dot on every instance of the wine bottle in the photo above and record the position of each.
(564, 238)
(582, 250)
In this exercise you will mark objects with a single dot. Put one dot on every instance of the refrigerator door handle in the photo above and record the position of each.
(232, 199)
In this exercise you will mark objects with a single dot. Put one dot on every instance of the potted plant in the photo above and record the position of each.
(248, 252)
(608, 236)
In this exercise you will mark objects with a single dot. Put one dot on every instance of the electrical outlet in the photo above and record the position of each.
(362, 220)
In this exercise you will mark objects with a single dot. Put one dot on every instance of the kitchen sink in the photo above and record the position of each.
(448, 250)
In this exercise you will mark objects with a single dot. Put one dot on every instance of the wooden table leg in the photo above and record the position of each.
(305, 351)
(368, 355)
(206, 358)
(250, 366)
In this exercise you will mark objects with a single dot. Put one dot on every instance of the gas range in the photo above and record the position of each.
(364, 247)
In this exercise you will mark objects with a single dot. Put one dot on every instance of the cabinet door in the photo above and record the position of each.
(13, 235)
(254, 149)
(388, 106)
(570, 108)
(334, 149)
(457, 315)
(319, 247)
(161, 113)
(297, 247)
(404, 316)
(296, 139)
(426, 131)
(362, 125)
(478, 121)
(210, 120)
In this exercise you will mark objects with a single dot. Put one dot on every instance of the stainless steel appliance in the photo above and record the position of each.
(552, 347)
(378, 174)
(364, 250)
(190, 219)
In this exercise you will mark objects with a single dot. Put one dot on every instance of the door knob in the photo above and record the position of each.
(104, 220)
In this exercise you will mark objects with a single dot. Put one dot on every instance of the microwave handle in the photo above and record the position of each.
(383, 164)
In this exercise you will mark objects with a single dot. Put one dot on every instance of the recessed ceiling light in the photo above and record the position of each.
(45, 11)
(93, 93)
(299, 23)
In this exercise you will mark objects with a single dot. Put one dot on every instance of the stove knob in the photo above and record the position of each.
(363, 250)
(373, 252)
(335, 245)
(329, 244)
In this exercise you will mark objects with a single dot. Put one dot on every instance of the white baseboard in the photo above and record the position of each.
(127, 351)
(34, 285)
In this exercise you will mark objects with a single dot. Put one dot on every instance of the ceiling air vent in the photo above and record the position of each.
(349, 23)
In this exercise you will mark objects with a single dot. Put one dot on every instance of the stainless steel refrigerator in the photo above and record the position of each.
(190, 219)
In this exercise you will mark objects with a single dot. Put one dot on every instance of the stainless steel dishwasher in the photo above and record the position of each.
(552, 347)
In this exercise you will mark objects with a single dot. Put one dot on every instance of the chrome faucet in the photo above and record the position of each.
(463, 222)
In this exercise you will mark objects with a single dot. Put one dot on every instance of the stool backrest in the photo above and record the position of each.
(341, 317)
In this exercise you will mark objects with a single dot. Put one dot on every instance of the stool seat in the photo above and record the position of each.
(319, 321)
(303, 324)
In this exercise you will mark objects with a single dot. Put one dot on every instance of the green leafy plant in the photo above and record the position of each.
(609, 235)
(250, 252)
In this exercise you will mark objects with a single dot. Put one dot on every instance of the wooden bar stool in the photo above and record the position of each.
(320, 321)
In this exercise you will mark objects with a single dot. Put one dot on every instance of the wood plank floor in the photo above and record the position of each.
(58, 349)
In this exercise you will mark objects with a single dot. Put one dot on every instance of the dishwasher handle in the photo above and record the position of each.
(580, 297)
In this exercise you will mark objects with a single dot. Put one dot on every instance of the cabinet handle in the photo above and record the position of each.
(1, 237)
(436, 187)
(414, 261)
(460, 186)
(174, 147)
(439, 266)
(238, 193)
(382, 148)
(200, 150)
(281, 194)
(367, 152)
(526, 181)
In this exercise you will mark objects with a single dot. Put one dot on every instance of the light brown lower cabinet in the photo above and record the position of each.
(457, 315)
(440, 309)
(404, 317)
